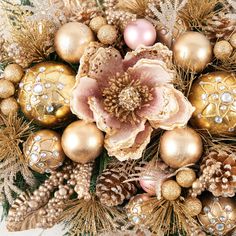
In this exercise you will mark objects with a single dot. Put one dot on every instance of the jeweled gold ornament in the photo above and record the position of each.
(9, 106)
(193, 205)
(186, 177)
(218, 216)
(43, 151)
(44, 93)
(13, 73)
(180, 147)
(214, 97)
(223, 50)
(192, 51)
(71, 40)
(82, 142)
(7, 88)
(170, 190)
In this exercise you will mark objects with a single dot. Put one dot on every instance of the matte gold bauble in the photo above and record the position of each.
(192, 51)
(193, 205)
(233, 40)
(218, 215)
(97, 22)
(180, 147)
(44, 93)
(43, 151)
(170, 190)
(71, 40)
(214, 97)
(223, 50)
(186, 177)
(13, 73)
(9, 106)
(82, 142)
(7, 88)
(107, 34)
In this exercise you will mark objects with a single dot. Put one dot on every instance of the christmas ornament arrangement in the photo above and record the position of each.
(118, 117)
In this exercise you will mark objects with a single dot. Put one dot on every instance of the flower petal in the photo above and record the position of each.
(83, 89)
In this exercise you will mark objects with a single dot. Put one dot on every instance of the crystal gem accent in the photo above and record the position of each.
(228, 208)
(204, 96)
(28, 107)
(218, 119)
(42, 69)
(43, 154)
(38, 88)
(206, 209)
(34, 157)
(227, 97)
(37, 138)
(50, 109)
(136, 219)
(220, 227)
(55, 154)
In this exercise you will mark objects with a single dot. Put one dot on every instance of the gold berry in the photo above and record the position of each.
(7, 88)
(13, 73)
(233, 40)
(9, 106)
(107, 34)
(223, 50)
(97, 22)
(186, 177)
(193, 205)
(170, 190)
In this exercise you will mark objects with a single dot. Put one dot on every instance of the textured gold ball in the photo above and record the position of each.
(214, 95)
(193, 205)
(44, 93)
(192, 51)
(43, 151)
(218, 215)
(82, 142)
(71, 40)
(7, 88)
(180, 147)
(13, 73)
(107, 34)
(9, 106)
(170, 190)
(97, 22)
(186, 177)
(233, 40)
(223, 50)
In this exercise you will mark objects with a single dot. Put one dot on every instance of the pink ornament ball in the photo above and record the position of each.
(139, 32)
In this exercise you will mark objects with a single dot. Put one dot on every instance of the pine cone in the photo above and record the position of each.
(111, 189)
(218, 26)
(218, 174)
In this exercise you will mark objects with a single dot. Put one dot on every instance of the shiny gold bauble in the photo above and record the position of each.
(82, 142)
(170, 190)
(43, 151)
(97, 22)
(71, 40)
(218, 215)
(214, 97)
(7, 88)
(223, 50)
(44, 93)
(9, 106)
(180, 147)
(192, 51)
(233, 40)
(193, 205)
(137, 210)
(13, 73)
(186, 177)
(107, 34)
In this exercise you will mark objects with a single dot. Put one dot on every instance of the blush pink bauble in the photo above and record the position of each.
(139, 32)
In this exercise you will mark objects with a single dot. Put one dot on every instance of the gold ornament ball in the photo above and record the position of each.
(218, 215)
(170, 190)
(214, 96)
(43, 151)
(7, 88)
(186, 177)
(9, 106)
(13, 73)
(223, 50)
(44, 94)
(193, 205)
(71, 40)
(97, 22)
(180, 147)
(82, 142)
(107, 34)
(233, 40)
(192, 51)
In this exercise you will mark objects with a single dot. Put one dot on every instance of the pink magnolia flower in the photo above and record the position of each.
(129, 97)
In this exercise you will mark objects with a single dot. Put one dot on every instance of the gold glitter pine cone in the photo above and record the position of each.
(111, 189)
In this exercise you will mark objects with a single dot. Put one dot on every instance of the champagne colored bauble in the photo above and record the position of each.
(82, 142)
(44, 93)
(170, 190)
(233, 40)
(107, 34)
(193, 205)
(97, 22)
(218, 215)
(186, 177)
(137, 210)
(13, 73)
(9, 106)
(223, 50)
(43, 151)
(180, 147)
(71, 40)
(192, 51)
(7, 88)
(214, 97)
